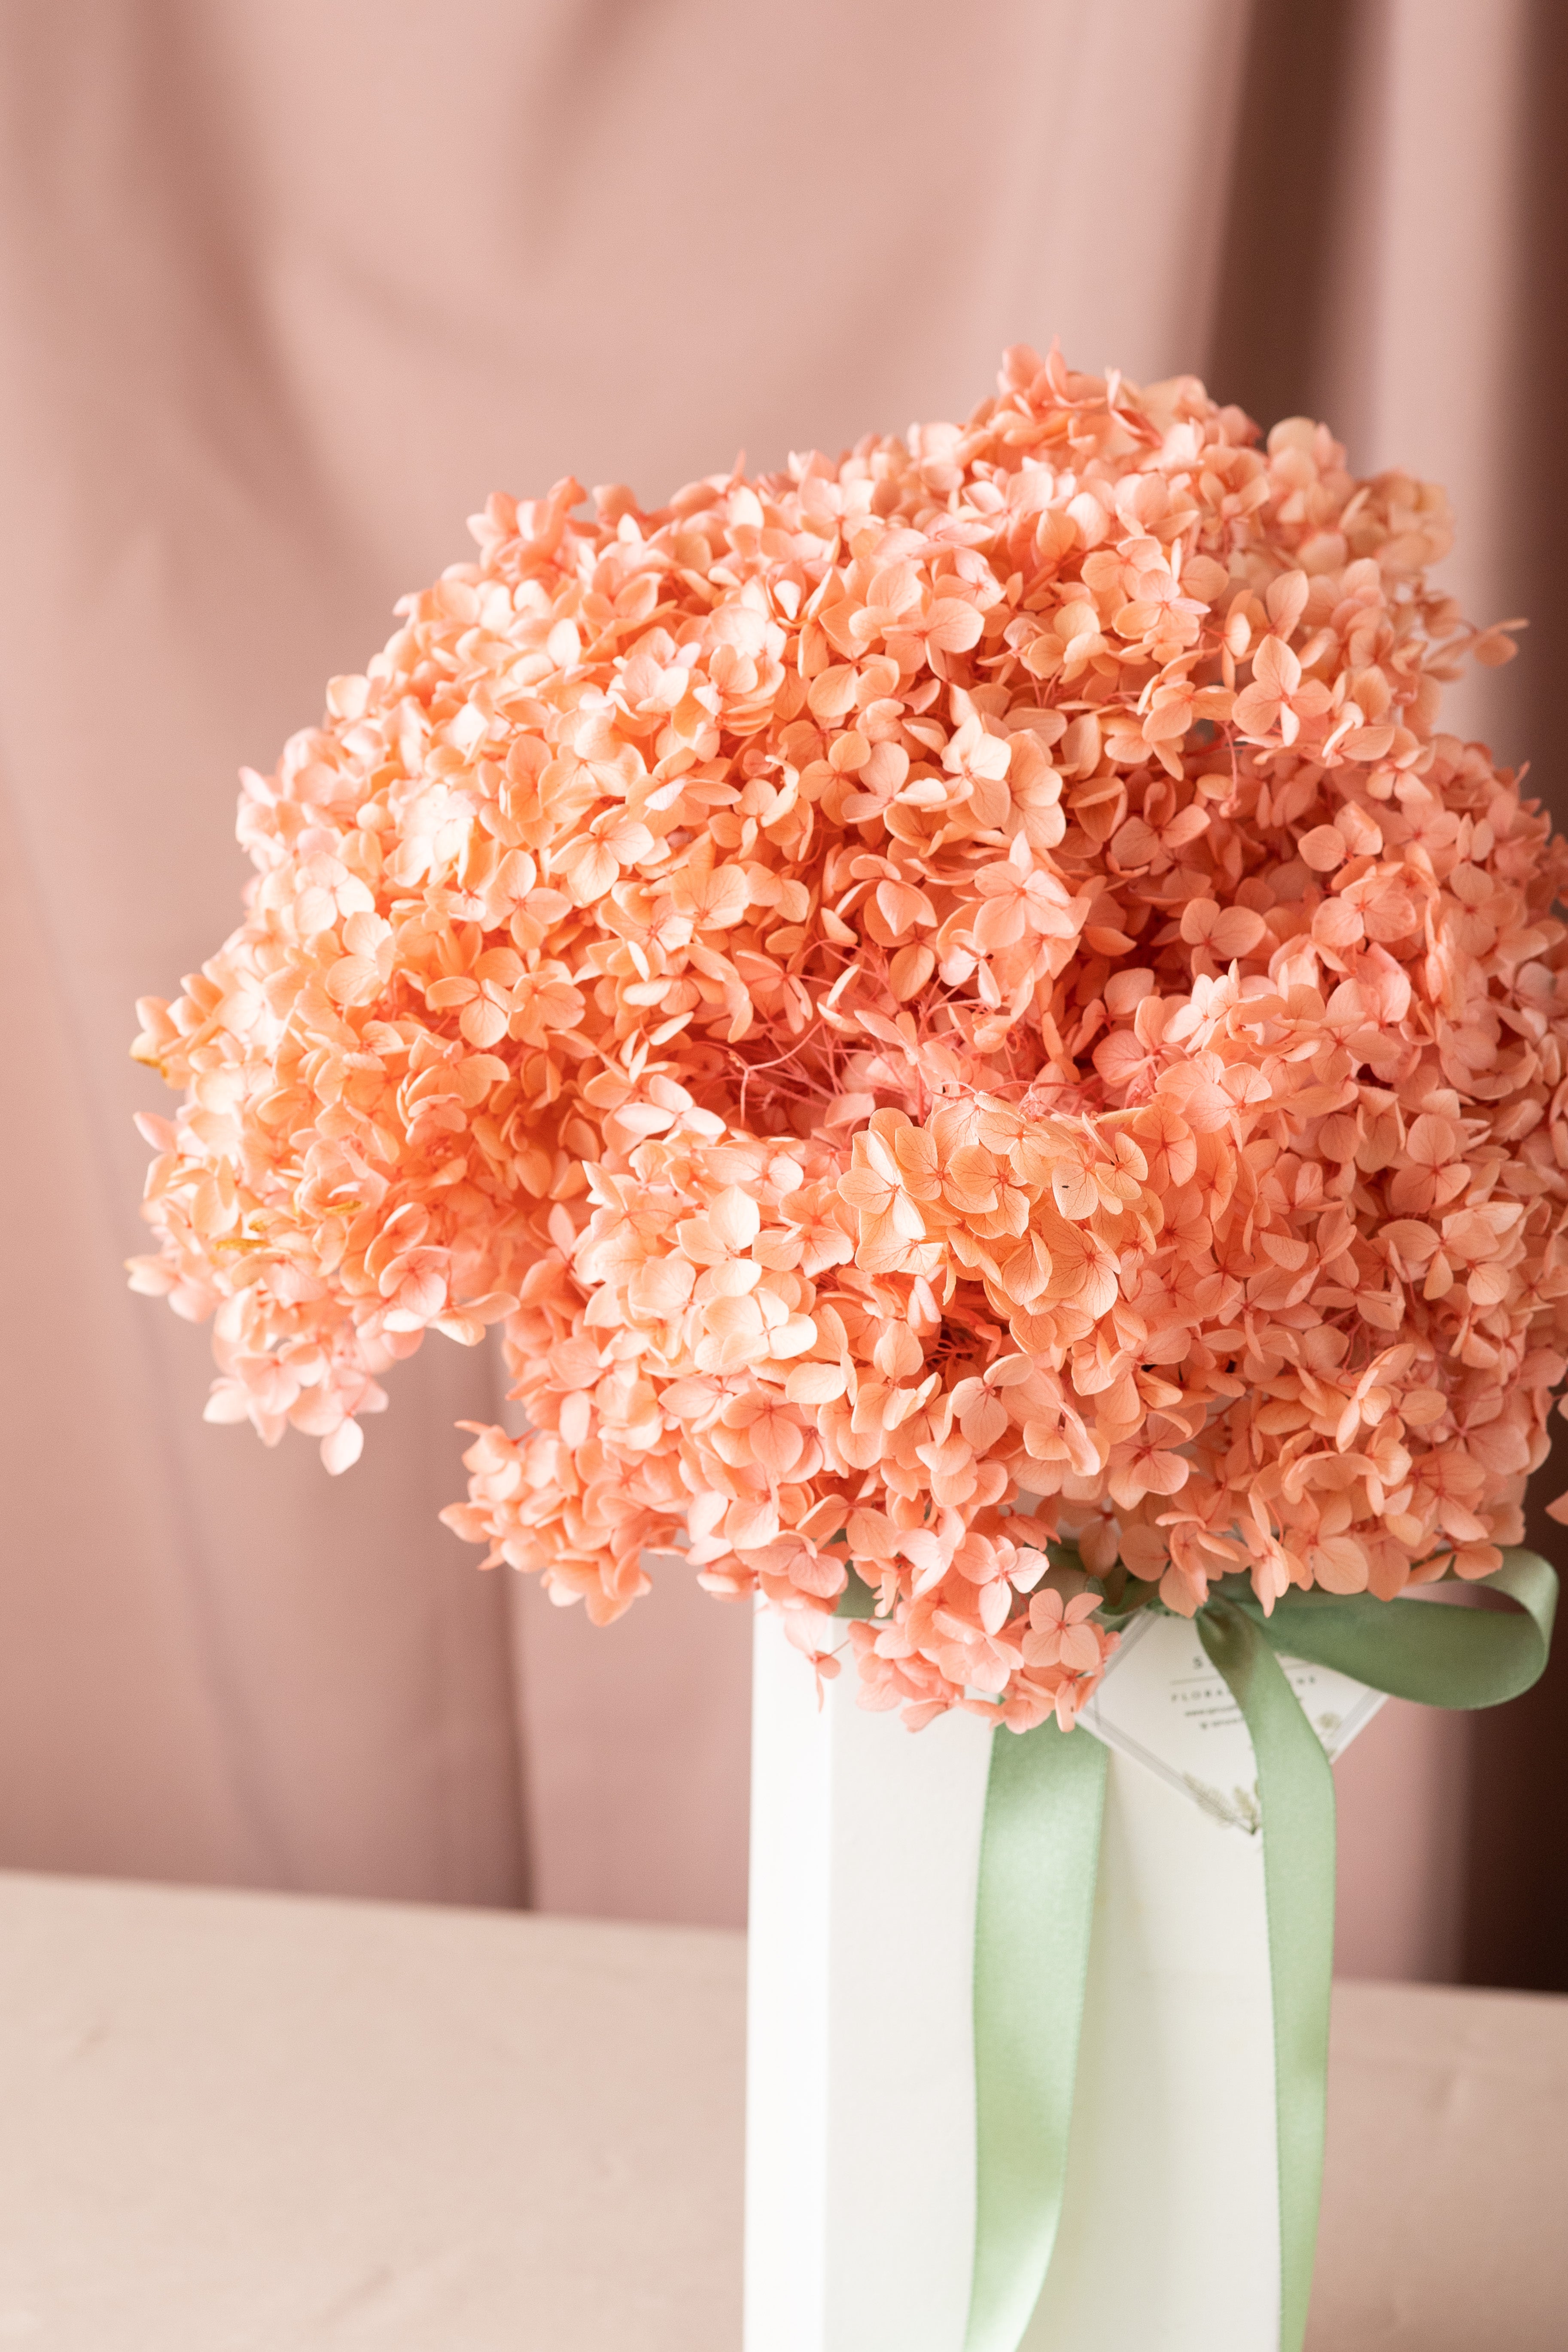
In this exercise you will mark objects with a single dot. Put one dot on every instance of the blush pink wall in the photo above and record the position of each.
(284, 291)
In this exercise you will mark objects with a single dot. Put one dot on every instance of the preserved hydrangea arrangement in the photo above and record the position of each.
(948, 1003)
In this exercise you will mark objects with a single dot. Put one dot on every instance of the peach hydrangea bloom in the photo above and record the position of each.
(948, 1003)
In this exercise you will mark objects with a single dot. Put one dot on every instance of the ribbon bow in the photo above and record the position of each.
(1039, 1858)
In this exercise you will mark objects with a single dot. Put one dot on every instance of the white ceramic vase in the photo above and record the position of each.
(860, 2092)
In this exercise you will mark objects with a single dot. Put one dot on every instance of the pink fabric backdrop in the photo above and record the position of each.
(286, 290)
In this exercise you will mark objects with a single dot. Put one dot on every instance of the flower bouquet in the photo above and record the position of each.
(1004, 1084)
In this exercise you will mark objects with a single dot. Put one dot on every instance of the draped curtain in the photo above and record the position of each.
(284, 292)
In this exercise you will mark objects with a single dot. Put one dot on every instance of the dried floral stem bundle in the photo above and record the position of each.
(945, 1001)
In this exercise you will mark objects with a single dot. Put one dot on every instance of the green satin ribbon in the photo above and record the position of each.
(1039, 1858)
(1296, 1808)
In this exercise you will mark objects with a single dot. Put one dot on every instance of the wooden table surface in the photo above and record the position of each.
(241, 2122)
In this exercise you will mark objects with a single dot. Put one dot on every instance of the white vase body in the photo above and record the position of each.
(860, 2086)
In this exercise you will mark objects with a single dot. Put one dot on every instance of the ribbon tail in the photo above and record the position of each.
(1039, 1859)
(1442, 1657)
(1296, 1799)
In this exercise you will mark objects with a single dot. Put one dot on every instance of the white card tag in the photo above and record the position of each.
(1165, 1705)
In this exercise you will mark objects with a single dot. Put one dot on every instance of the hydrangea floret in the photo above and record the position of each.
(950, 1004)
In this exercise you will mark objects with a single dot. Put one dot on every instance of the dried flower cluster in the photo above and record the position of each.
(945, 1000)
